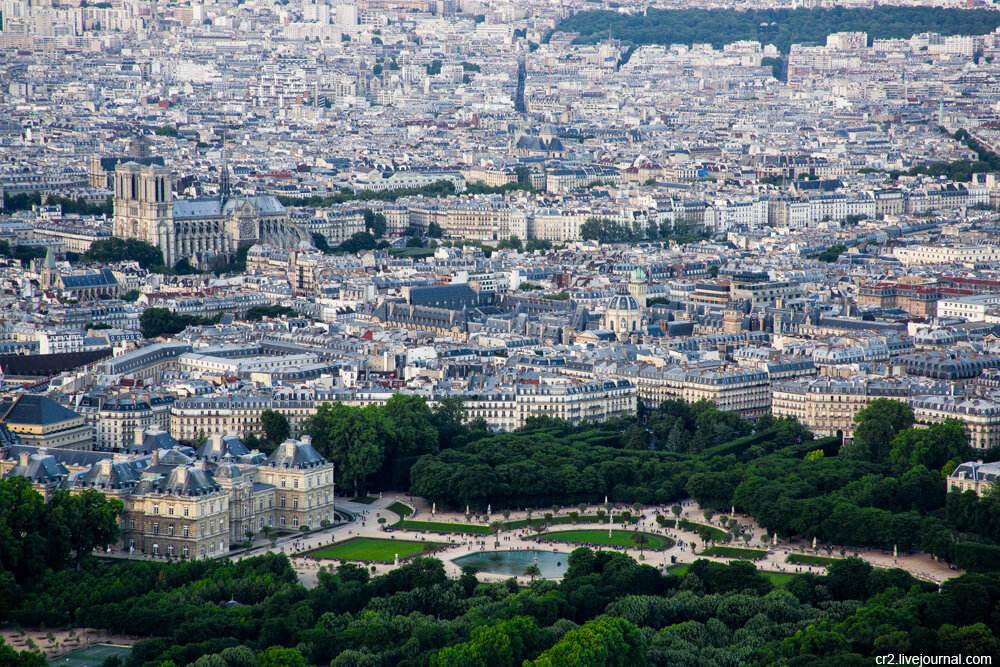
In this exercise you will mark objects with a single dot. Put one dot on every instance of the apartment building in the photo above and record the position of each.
(974, 476)
(563, 398)
(827, 406)
(192, 418)
(746, 391)
(972, 307)
(946, 254)
(980, 417)
(146, 363)
(116, 418)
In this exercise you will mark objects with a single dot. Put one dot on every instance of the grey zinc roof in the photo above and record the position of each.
(42, 468)
(293, 454)
(69, 457)
(976, 471)
(154, 439)
(220, 446)
(35, 410)
(182, 481)
(109, 474)
(102, 278)
(197, 208)
(265, 204)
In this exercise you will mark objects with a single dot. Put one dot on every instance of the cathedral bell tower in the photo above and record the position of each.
(144, 206)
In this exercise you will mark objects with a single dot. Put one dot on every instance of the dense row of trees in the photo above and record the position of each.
(605, 230)
(22, 253)
(885, 489)
(25, 200)
(383, 442)
(259, 312)
(550, 461)
(960, 171)
(36, 535)
(781, 27)
(442, 188)
(163, 322)
(832, 253)
(112, 250)
(607, 610)
(514, 243)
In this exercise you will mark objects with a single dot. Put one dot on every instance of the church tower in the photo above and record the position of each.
(637, 287)
(144, 206)
(49, 272)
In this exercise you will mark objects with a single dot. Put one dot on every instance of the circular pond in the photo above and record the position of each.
(552, 565)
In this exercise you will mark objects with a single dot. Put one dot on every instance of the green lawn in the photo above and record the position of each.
(413, 252)
(803, 559)
(778, 579)
(372, 549)
(735, 552)
(619, 538)
(714, 533)
(443, 527)
(364, 500)
(91, 656)
(402, 509)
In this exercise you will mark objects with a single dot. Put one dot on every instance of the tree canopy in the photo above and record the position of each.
(163, 322)
(781, 27)
(109, 251)
(607, 610)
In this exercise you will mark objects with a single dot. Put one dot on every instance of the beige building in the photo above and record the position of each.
(946, 254)
(179, 503)
(116, 418)
(176, 511)
(42, 422)
(303, 484)
(827, 406)
(574, 401)
(980, 417)
(192, 418)
(975, 476)
(490, 176)
(742, 390)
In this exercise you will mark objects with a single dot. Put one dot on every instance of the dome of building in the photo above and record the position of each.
(624, 302)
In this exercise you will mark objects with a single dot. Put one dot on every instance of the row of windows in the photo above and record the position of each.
(201, 509)
(185, 529)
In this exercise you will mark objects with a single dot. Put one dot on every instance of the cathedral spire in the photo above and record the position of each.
(224, 184)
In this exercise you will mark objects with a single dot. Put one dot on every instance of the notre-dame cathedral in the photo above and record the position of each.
(196, 229)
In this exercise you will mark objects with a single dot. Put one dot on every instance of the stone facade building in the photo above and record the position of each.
(183, 503)
(194, 228)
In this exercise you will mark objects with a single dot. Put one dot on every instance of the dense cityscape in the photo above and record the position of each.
(469, 332)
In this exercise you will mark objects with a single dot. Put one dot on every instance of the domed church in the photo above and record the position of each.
(625, 314)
